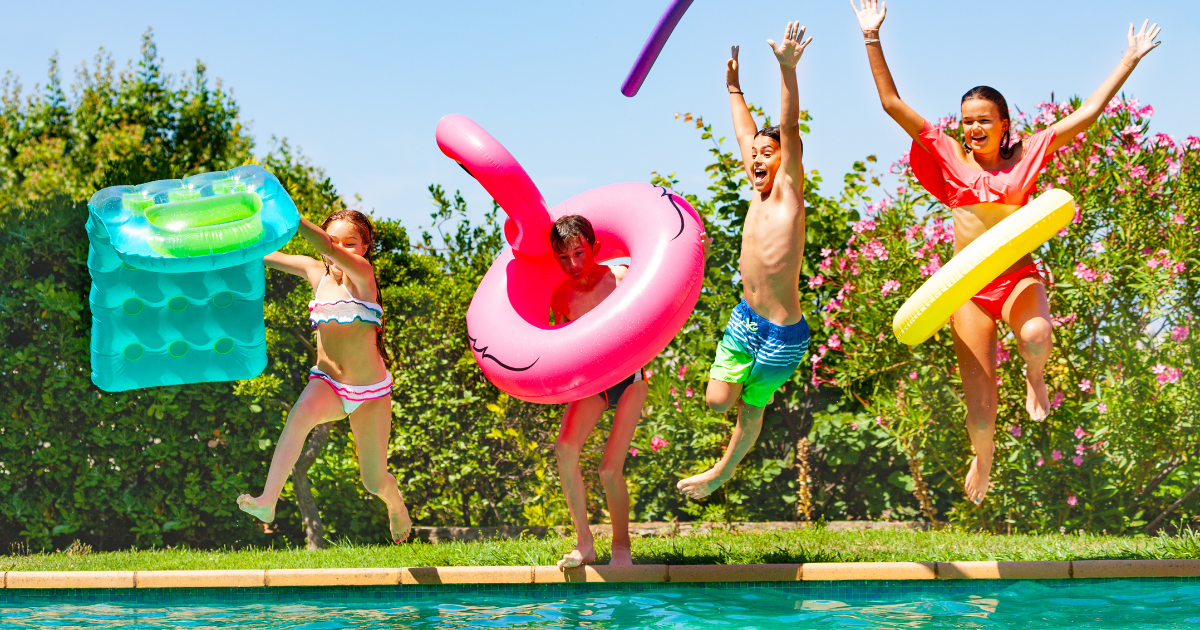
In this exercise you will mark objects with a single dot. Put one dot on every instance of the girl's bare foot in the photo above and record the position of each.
(979, 478)
(257, 507)
(400, 522)
(581, 554)
(702, 485)
(1037, 400)
(622, 555)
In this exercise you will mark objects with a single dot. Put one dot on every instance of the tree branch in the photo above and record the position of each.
(1154, 524)
(314, 530)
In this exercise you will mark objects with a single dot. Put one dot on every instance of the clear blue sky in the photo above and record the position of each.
(359, 86)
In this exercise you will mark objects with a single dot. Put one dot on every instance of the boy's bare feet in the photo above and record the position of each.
(257, 507)
(702, 485)
(979, 476)
(581, 554)
(400, 522)
(1037, 399)
(622, 555)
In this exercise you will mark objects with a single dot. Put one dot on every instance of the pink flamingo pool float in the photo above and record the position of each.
(508, 326)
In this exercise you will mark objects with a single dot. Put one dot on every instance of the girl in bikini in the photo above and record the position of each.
(982, 181)
(350, 378)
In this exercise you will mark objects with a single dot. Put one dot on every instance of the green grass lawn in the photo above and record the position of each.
(806, 545)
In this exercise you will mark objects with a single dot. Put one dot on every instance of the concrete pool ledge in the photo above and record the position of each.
(641, 573)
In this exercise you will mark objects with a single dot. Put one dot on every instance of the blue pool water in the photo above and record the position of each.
(991, 604)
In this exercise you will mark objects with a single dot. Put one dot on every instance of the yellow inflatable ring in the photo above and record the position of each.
(927, 310)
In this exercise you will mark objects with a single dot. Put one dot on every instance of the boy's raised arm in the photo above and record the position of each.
(744, 126)
(788, 53)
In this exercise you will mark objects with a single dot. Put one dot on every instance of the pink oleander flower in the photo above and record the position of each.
(912, 232)
(1061, 179)
(826, 252)
(682, 371)
(1167, 374)
(1079, 432)
(874, 249)
(999, 381)
(1083, 272)
(1097, 247)
(1179, 267)
(935, 263)
(1080, 448)
(1041, 461)
(834, 342)
(853, 426)
(912, 376)
(633, 451)
(1002, 355)
(1178, 219)
(1071, 500)
(1138, 172)
(657, 443)
(649, 374)
(865, 225)
(815, 281)
(1056, 455)
(1102, 408)
(1063, 232)
(674, 392)
(1152, 263)
(1065, 320)
(880, 421)
(1179, 333)
(901, 190)
(880, 337)
(1085, 385)
(889, 286)
(1015, 430)
(1078, 218)
(1107, 277)
(1077, 460)
(1057, 400)
(688, 392)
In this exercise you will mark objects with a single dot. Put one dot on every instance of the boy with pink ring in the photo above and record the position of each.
(586, 285)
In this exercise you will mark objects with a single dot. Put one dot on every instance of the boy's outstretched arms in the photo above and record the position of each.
(744, 126)
(1140, 44)
(788, 53)
(870, 18)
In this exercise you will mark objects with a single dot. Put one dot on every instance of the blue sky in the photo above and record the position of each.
(360, 87)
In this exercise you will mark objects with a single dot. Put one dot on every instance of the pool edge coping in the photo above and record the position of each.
(642, 573)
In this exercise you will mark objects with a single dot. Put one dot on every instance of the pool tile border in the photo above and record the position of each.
(913, 572)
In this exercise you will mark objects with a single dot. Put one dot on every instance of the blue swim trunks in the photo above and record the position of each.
(759, 354)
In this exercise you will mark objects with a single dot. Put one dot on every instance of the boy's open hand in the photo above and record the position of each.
(870, 18)
(788, 53)
(731, 70)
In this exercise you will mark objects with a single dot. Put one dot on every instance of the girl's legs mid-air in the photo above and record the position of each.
(317, 404)
(371, 423)
(1027, 313)
(372, 427)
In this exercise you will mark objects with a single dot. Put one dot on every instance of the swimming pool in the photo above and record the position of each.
(1158, 603)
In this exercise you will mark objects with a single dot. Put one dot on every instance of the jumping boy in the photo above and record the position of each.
(766, 336)
(586, 285)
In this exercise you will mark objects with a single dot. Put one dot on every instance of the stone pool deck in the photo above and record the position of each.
(647, 573)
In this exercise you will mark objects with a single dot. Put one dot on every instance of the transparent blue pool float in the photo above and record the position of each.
(178, 277)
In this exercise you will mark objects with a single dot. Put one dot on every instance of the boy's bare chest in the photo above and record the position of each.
(772, 230)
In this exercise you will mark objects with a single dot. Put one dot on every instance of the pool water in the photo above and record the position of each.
(992, 604)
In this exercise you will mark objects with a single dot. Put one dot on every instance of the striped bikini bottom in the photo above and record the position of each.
(354, 395)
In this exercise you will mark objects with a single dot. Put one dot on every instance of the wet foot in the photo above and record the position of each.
(701, 485)
(622, 555)
(257, 507)
(581, 554)
(1037, 400)
(400, 522)
(978, 479)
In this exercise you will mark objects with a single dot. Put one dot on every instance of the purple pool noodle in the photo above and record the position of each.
(653, 46)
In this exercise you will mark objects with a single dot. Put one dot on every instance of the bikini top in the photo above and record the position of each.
(345, 311)
(936, 165)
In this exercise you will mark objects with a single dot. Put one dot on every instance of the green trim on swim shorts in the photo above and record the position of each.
(734, 364)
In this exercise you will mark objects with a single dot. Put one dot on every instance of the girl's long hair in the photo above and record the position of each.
(366, 232)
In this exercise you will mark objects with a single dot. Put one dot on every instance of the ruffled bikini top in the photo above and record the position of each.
(936, 165)
(345, 311)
